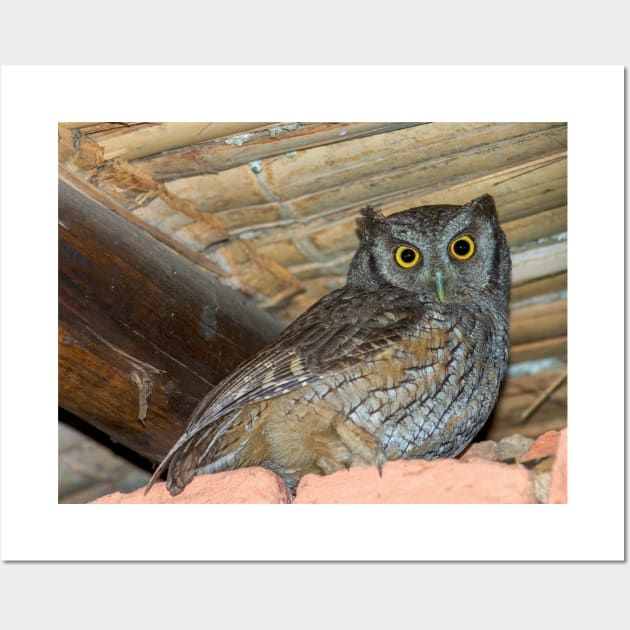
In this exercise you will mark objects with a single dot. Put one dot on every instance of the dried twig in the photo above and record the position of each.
(541, 399)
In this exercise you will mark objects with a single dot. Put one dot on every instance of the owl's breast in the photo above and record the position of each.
(428, 395)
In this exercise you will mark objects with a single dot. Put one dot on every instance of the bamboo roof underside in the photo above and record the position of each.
(270, 210)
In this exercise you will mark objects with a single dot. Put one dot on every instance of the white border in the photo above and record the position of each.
(34, 527)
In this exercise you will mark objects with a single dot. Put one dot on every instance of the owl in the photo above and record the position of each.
(404, 361)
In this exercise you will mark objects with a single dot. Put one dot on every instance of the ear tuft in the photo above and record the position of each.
(484, 204)
(371, 218)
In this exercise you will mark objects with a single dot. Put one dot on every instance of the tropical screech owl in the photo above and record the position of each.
(404, 361)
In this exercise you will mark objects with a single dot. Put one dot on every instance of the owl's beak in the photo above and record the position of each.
(439, 285)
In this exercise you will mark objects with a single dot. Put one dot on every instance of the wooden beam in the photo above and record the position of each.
(144, 333)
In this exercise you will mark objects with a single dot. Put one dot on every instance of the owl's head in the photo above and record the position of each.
(440, 252)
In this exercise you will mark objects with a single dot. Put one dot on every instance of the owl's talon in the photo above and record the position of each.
(380, 462)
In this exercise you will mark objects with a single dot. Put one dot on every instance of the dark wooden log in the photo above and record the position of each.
(143, 332)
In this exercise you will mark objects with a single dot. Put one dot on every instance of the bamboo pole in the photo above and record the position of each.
(264, 143)
(362, 170)
(538, 321)
(536, 226)
(165, 136)
(541, 286)
(539, 349)
(538, 262)
(517, 396)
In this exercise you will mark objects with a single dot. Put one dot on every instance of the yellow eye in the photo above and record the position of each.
(407, 256)
(462, 248)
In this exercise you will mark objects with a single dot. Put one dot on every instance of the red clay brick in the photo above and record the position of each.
(544, 446)
(418, 481)
(246, 485)
(558, 483)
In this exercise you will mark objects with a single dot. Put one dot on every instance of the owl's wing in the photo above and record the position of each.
(336, 332)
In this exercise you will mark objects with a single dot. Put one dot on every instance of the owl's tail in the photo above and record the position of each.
(195, 452)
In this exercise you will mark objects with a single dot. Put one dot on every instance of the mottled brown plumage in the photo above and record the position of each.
(404, 361)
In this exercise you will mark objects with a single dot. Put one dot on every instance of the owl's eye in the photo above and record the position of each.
(407, 256)
(462, 248)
